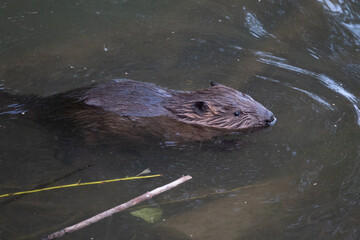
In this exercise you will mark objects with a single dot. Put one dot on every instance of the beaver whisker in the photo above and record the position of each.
(269, 102)
(249, 90)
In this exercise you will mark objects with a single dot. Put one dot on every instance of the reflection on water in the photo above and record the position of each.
(328, 82)
(300, 58)
(320, 100)
(254, 26)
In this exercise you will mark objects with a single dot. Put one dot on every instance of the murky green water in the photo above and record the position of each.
(300, 58)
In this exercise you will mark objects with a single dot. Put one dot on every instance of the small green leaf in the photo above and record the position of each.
(150, 215)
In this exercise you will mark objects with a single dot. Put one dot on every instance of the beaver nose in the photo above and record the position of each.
(271, 120)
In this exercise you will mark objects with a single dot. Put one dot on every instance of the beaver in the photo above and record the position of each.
(126, 107)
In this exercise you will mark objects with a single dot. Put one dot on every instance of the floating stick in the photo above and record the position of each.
(108, 213)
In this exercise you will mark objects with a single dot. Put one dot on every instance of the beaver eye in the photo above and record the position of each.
(237, 113)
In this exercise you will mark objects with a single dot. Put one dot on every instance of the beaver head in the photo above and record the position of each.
(221, 107)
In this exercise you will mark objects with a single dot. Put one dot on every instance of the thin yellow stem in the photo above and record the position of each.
(78, 185)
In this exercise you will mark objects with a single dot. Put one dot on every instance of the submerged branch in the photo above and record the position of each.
(108, 213)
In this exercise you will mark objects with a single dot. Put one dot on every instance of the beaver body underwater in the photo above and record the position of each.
(132, 108)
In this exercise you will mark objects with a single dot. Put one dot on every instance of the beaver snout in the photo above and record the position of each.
(271, 120)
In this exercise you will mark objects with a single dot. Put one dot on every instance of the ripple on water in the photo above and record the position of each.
(322, 78)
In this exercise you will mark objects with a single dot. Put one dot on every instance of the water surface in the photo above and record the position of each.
(301, 59)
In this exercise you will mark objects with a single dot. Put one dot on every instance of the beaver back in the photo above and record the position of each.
(129, 98)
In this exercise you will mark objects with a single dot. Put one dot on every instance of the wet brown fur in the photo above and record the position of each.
(219, 105)
(132, 108)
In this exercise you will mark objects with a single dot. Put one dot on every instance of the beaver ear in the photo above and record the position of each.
(200, 107)
(214, 83)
